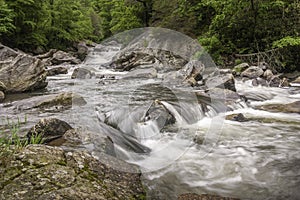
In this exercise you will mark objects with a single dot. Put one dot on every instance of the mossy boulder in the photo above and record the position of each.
(44, 172)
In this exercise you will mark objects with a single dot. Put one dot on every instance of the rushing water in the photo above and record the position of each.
(256, 159)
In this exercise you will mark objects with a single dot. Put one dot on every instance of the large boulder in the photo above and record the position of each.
(49, 129)
(44, 173)
(252, 72)
(160, 59)
(20, 72)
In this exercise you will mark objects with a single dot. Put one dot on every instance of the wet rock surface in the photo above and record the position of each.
(252, 72)
(56, 71)
(82, 73)
(2, 96)
(203, 197)
(285, 108)
(44, 172)
(60, 57)
(20, 72)
(237, 117)
(49, 129)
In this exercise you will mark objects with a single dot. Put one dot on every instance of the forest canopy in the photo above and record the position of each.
(224, 27)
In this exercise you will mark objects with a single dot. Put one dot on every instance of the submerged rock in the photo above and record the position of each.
(56, 71)
(286, 108)
(63, 99)
(191, 196)
(252, 72)
(58, 102)
(141, 73)
(44, 172)
(259, 81)
(49, 129)
(20, 72)
(76, 137)
(82, 73)
(236, 117)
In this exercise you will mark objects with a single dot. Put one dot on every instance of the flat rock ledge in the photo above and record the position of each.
(45, 172)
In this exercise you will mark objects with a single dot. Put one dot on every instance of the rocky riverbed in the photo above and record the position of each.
(149, 117)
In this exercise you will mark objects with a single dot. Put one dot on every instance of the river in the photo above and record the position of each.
(255, 159)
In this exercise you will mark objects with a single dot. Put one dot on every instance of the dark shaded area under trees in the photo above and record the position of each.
(225, 28)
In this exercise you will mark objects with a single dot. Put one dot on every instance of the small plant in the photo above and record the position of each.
(11, 137)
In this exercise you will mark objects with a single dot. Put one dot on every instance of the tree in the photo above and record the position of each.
(6, 18)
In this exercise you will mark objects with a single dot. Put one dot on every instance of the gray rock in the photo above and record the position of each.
(296, 81)
(284, 83)
(2, 87)
(274, 81)
(82, 50)
(268, 74)
(241, 67)
(286, 108)
(259, 81)
(193, 68)
(191, 196)
(49, 54)
(221, 81)
(141, 73)
(76, 137)
(55, 102)
(60, 57)
(20, 72)
(82, 73)
(42, 172)
(237, 117)
(162, 60)
(252, 72)
(2, 96)
(263, 65)
(56, 71)
(49, 129)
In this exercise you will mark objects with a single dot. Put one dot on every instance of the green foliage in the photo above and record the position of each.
(287, 42)
(290, 48)
(224, 27)
(12, 136)
(6, 18)
(123, 17)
